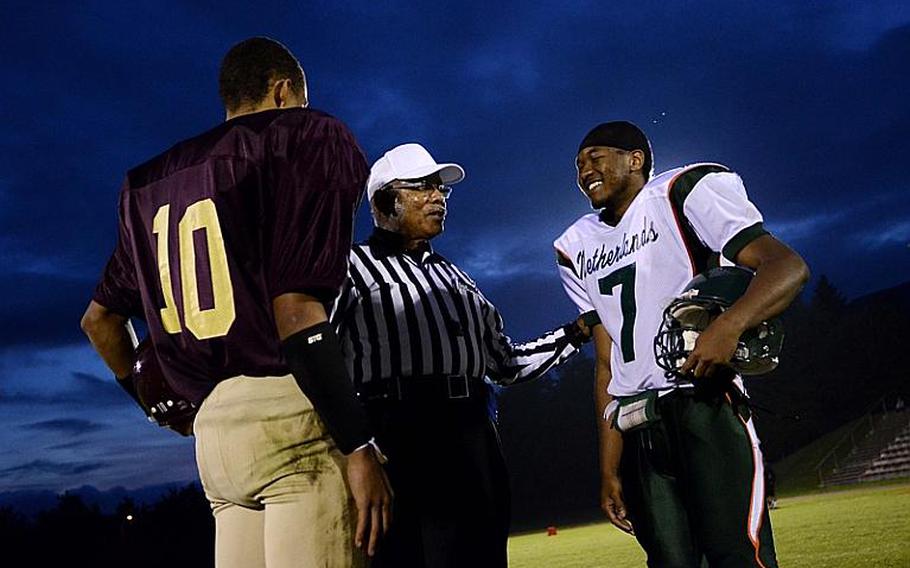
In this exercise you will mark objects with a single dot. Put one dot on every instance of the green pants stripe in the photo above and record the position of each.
(693, 484)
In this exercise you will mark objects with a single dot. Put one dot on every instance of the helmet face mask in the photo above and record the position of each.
(707, 296)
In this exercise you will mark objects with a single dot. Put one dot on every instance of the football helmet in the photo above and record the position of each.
(702, 300)
(161, 403)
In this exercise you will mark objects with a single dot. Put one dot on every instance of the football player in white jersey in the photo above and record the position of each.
(680, 462)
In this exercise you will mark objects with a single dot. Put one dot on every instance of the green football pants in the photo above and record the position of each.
(693, 484)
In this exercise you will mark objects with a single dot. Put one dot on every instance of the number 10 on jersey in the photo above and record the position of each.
(203, 324)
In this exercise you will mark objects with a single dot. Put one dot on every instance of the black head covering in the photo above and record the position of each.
(623, 135)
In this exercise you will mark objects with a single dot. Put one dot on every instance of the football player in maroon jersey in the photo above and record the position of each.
(230, 245)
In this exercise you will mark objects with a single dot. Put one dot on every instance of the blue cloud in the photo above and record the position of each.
(73, 426)
(54, 468)
(84, 391)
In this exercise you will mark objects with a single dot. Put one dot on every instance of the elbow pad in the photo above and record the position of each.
(315, 359)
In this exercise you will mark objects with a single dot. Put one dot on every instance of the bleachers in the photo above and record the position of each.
(893, 461)
(882, 453)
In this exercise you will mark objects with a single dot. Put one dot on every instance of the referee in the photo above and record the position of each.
(419, 337)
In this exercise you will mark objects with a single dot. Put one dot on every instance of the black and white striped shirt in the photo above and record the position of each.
(403, 314)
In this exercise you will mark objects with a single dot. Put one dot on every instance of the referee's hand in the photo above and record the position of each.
(373, 496)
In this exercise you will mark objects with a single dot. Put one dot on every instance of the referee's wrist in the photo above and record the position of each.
(576, 336)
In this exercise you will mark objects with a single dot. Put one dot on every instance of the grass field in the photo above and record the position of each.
(847, 529)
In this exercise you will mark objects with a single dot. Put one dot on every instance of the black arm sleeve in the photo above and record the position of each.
(315, 359)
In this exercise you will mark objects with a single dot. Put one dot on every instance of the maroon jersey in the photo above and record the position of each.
(216, 227)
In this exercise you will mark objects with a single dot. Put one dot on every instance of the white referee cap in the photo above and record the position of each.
(410, 161)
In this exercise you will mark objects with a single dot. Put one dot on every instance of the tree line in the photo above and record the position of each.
(176, 531)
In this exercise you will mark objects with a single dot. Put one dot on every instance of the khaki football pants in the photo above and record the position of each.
(273, 477)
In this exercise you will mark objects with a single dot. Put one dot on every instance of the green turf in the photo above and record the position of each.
(847, 529)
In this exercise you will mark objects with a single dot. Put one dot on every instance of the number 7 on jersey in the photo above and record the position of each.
(625, 279)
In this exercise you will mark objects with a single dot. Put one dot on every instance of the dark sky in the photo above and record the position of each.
(809, 105)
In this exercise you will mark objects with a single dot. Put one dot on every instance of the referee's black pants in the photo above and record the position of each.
(693, 484)
(447, 471)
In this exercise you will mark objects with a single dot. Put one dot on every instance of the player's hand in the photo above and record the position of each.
(373, 497)
(714, 348)
(612, 504)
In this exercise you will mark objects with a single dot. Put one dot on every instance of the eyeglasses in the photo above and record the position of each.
(424, 186)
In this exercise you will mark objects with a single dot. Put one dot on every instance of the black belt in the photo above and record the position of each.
(423, 388)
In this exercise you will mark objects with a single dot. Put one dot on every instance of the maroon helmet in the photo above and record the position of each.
(161, 403)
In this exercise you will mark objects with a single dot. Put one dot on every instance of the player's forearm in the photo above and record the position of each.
(313, 354)
(609, 440)
(610, 449)
(776, 284)
(112, 337)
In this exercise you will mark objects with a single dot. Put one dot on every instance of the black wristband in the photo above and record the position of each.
(591, 318)
(315, 359)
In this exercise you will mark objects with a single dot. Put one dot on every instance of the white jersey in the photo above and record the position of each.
(630, 272)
